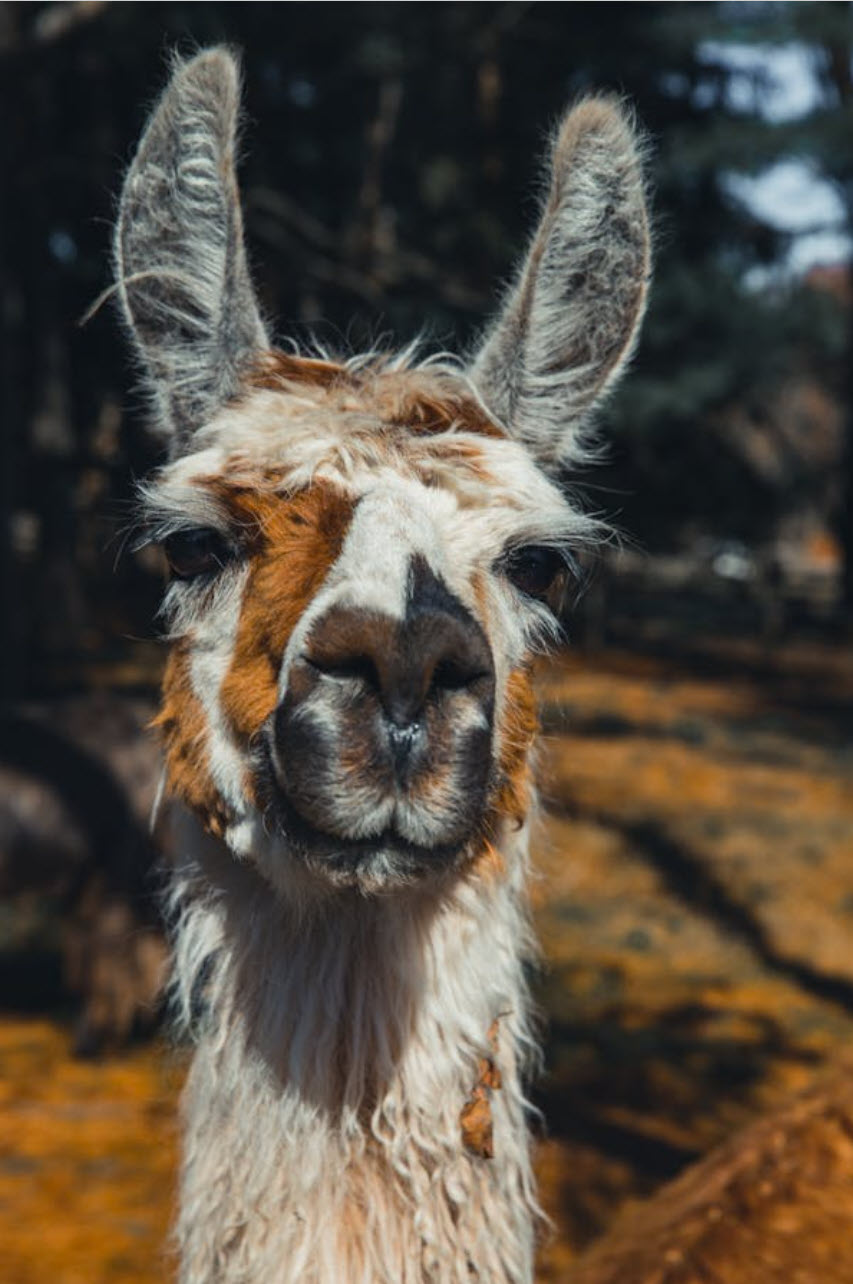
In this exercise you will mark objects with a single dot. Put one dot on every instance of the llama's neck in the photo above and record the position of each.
(339, 1048)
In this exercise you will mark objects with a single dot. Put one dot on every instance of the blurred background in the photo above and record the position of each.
(696, 898)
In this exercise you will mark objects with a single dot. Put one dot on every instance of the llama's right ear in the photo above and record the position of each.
(570, 321)
(180, 262)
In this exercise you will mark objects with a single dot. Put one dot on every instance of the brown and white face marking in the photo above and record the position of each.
(362, 553)
(354, 603)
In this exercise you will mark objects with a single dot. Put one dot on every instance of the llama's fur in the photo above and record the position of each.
(180, 262)
(323, 1132)
(570, 321)
(349, 937)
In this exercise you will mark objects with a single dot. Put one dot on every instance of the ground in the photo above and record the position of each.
(694, 898)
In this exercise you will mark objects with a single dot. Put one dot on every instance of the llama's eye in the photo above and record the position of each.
(534, 569)
(196, 552)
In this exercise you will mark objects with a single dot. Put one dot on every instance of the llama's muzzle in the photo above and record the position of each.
(384, 734)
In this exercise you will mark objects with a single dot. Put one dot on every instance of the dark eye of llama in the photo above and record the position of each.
(534, 569)
(196, 552)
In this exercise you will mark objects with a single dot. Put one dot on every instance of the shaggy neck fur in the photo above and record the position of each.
(339, 1046)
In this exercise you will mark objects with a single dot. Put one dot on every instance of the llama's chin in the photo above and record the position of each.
(377, 864)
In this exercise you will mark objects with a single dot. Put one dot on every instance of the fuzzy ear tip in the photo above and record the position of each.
(218, 65)
(605, 118)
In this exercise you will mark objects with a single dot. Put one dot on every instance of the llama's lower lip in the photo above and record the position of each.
(320, 842)
(321, 846)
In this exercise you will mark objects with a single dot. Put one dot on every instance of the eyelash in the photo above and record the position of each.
(197, 552)
(535, 570)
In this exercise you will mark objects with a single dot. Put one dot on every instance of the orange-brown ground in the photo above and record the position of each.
(695, 904)
(87, 1160)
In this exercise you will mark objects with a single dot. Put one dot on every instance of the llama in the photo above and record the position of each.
(365, 556)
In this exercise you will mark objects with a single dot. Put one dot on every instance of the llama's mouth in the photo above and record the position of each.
(387, 854)
(341, 853)
(333, 787)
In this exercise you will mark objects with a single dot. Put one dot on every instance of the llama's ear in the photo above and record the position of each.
(180, 262)
(570, 319)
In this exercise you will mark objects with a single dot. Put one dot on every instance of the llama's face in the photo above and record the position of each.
(362, 562)
(364, 556)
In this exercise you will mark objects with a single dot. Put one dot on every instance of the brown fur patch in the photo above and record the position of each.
(276, 368)
(415, 403)
(299, 538)
(183, 727)
(421, 401)
(475, 1119)
(488, 861)
(519, 725)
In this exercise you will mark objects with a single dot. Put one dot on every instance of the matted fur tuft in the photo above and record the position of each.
(180, 263)
(570, 321)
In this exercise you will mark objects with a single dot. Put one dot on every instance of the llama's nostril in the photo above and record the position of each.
(454, 674)
(345, 667)
(438, 651)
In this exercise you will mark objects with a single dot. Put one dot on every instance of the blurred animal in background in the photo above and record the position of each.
(365, 554)
(73, 829)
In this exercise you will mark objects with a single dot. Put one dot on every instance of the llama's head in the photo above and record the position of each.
(364, 554)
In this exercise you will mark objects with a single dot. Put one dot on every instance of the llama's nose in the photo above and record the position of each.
(386, 724)
(433, 653)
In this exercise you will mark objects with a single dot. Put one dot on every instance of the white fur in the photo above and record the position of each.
(211, 654)
(275, 1159)
(344, 1079)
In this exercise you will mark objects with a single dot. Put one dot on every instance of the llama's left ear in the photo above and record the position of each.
(571, 318)
(180, 261)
